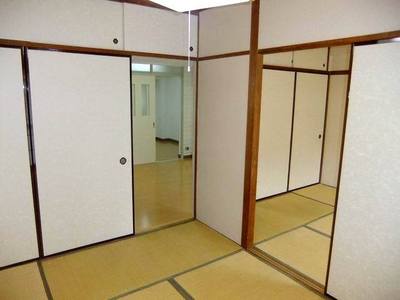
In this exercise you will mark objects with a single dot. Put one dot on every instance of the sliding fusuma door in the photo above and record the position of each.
(17, 218)
(275, 132)
(82, 135)
(308, 129)
(365, 256)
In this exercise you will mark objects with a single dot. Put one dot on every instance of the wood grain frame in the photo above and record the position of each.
(252, 131)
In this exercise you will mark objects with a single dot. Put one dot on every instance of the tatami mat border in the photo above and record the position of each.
(184, 293)
(174, 275)
(292, 229)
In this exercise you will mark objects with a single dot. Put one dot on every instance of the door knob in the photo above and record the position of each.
(122, 161)
(319, 136)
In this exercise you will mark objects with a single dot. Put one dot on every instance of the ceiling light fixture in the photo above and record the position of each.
(191, 5)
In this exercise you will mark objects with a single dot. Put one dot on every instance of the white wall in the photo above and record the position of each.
(366, 244)
(168, 107)
(89, 23)
(158, 30)
(222, 117)
(286, 22)
(225, 29)
(334, 129)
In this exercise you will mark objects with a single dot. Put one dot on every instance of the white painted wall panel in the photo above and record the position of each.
(82, 127)
(334, 129)
(286, 22)
(225, 29)
(222, 115)
(275, 132)
(309, 116)
(158, 30)
(366, 245)
(17, 219)
(90, 23)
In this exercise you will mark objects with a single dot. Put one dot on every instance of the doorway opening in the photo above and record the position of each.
(303, 104)
(163, 101)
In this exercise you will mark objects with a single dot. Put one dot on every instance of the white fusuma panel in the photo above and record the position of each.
(18, 240)
(82, 129)
(308, 129)
(366, 244)
(275, 132)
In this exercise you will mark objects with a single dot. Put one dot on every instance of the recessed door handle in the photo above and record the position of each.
(122, 161)
(319, 136)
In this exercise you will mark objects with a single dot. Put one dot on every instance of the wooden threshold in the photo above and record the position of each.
(288, 271)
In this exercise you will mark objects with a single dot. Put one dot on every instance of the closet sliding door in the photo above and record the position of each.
(82, 131)
(308, 129)
(18, 240)
(275, 132)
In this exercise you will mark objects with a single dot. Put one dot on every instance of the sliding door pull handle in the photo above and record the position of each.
(122, 161)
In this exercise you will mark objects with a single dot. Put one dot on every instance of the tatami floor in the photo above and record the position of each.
(163, 193)
(186, 261)
(295, 228)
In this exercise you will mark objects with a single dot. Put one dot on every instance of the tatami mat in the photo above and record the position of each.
(160, 291)
(302, 249)
(22, 282)
(282, 213)
(242, 276)
(323, 225)
(319, 192)
(113, 269)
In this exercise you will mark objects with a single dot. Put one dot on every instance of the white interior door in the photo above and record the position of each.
(82, 128)
(308, 129)
(144, 118)
(275, 132)
(18, 240)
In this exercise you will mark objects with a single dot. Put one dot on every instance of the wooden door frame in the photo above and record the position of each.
(253, 127)
(254, 108)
